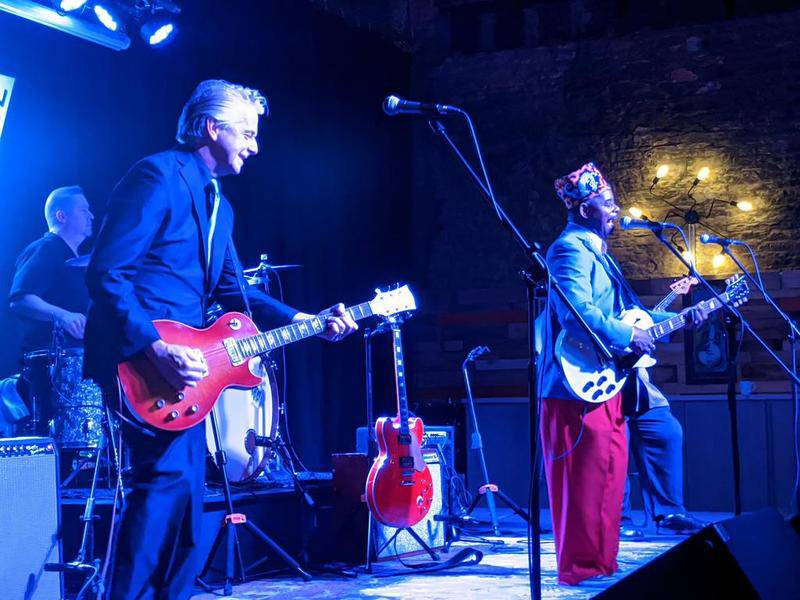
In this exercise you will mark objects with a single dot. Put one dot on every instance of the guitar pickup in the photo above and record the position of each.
(406, 462)
(232, 349)
(404, 439)
(406, 483)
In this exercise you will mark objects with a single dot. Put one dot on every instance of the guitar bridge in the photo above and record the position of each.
(234, 355)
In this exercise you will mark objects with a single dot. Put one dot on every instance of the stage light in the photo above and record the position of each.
(158, 32)
(744, 205)
(49, 16)
(718, 260)
(68, 5)
(106, 17)
(635, 212)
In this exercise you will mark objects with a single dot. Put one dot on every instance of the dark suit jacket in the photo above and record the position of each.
(149, 261)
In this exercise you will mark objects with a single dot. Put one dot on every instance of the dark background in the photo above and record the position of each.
(363, 200)
(328, 189)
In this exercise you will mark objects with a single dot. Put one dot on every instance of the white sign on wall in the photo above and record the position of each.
(6, 85)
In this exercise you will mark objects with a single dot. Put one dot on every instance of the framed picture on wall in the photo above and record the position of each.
(706, 349)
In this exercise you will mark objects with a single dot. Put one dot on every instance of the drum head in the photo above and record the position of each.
(239, 411)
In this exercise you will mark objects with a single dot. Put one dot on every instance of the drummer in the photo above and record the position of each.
(46, 291)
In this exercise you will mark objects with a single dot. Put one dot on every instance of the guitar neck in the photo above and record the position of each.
(667, 301)
(400, 379)
(677, 322)
(267, 341)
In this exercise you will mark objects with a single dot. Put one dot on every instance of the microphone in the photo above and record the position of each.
(631, 223)
(395, 105)
(477, 351)
(715, 239)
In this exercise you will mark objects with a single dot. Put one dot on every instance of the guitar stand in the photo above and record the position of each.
(228, 531)
(372, 543)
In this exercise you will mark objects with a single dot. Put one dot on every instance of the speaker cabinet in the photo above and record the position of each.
(29, 519)
(755, 555)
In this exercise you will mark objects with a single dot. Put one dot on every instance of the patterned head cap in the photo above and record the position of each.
(580, 185)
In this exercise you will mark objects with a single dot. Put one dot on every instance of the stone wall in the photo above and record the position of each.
(722, 95)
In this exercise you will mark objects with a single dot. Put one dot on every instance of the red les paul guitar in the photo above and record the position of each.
(229, 346)
(399, 488)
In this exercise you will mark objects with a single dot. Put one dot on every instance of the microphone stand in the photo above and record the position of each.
(734, 420)
(532, 276)
(794, 335)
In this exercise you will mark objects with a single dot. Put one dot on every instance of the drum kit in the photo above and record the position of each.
(70, 409)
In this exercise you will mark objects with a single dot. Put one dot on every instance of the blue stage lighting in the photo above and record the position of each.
(69, 5)
(158, 32)
(106, 17)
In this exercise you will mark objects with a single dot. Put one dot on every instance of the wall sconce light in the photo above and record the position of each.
(702, 175)
(661, 172)
(635, 212)
(743, 205)
(718, 260)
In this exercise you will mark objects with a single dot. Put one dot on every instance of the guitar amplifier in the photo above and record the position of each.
(436, 436)
(431, 531)
(29, 518)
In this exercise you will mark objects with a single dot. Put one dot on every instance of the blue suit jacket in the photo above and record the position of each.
(149, 261)
(579, 269)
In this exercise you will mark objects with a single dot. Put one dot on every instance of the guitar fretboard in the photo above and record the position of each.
(667, 301)
(400, 378)
(254, 345)
(679, 321)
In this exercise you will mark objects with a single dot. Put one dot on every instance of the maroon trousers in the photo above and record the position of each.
(585, 450)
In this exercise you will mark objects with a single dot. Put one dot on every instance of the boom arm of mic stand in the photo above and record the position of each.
(729, 307)
(789, 321)
(532, 251)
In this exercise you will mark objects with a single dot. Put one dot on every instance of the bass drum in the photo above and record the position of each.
(240, 411)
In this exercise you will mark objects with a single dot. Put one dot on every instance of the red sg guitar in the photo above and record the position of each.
(229, 346)
(399, 488)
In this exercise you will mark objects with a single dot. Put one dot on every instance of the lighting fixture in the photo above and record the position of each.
(106, 17)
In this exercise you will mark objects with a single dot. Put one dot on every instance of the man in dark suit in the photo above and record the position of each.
(165, 251)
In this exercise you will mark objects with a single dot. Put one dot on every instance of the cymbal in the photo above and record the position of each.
(80, 262)
(272, 268)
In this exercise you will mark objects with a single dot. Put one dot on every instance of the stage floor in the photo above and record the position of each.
(503, 572)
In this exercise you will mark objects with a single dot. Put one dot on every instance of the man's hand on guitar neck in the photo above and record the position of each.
(695, 315)
(181, 366)
(340, 323)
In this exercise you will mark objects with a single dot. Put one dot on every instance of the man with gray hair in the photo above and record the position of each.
(165, 252)
(46, 291)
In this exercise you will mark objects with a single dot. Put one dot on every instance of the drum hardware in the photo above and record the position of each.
(228, 529)
(85, 562)
(261, 274)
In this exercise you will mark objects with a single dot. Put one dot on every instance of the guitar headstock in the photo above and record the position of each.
(683, 285)
(737, 290)
(393, 301)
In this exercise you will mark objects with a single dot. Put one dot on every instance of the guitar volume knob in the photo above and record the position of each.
(179, 396)
(173, 415)
(160, 403)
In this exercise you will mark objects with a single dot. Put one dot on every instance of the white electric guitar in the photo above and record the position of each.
(596, 380)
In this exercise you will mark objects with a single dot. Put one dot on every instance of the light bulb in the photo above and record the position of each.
(703, 174)
(744, 205)
(635, 212)
(688, 256)
(662, 171)
(718, 261)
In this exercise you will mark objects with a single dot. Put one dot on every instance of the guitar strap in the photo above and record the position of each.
(466, 557)
(237, 266)
(616, 274)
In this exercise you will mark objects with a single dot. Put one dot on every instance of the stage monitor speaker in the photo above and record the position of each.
(755, 555)
(29, 519)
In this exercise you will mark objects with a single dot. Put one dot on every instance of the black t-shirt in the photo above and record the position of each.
(41, 270)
